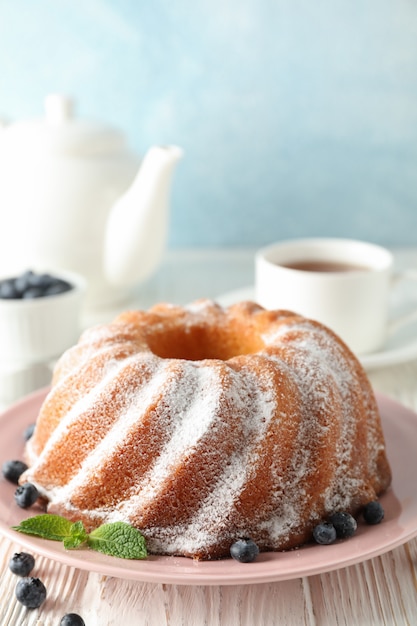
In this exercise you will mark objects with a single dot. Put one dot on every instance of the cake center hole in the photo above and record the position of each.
(198, 342)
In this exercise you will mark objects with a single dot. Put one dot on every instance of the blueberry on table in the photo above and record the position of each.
(324, 534)
(26, 495)
(13, 469)
(30, 592)
(373, 513)
(21, 563)
(344, 523)
(244, 550)
(72, 619)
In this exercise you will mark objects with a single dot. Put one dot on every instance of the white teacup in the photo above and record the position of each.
(344, 284)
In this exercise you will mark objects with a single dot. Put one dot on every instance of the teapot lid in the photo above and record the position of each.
(61, 132)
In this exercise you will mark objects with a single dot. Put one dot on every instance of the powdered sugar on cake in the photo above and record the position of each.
(259, 445)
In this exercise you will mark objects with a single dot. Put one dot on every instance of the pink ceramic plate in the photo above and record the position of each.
(399, 525)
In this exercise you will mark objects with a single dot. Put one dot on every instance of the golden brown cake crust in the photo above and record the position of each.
(200, 425)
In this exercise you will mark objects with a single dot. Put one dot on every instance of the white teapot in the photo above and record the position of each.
(72, 198)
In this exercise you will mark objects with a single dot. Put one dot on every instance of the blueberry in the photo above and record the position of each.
(12, 470)
(26, 495)
(32, 292)
(8, 290)
(23, 281)
(30, 285)
(344, 524)
(21, 563)
(373, 513)
(72, 619)
(324, 533)
(244, 550)
(28, 432)
(56, 287)
(30, 592)
(40, 280)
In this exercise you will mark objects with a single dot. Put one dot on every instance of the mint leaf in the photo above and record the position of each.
(46, 526)
(115, 539)
(118, 539)
(78, 536)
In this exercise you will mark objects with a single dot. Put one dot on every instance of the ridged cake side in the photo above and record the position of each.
(201, 425)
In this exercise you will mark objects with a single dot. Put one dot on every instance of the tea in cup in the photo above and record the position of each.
(342, 283)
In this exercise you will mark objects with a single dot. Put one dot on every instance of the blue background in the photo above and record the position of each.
(297, 117)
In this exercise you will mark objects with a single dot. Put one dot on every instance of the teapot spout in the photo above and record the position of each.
(137, 226)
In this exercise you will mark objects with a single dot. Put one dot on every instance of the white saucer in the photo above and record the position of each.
(400, 347)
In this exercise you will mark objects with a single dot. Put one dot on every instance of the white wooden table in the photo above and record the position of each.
(379, 591)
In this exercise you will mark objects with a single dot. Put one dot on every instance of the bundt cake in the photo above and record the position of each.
(201, 425)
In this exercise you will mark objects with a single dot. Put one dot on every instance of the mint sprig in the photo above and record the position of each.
(77, 536)
(115, 539)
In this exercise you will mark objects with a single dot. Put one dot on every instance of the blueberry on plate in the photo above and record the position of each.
(28, 432)
(30, 592)
(324, 534)
(244, 550)
(344, 523)
(13, 469)
(26, 495)
(373, 513)
(21, 563)
(72, 619)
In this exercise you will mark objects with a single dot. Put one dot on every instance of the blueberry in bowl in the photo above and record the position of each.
(40, 315)
(30, 284)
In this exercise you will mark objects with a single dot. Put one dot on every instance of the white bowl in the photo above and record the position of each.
(40, 329)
